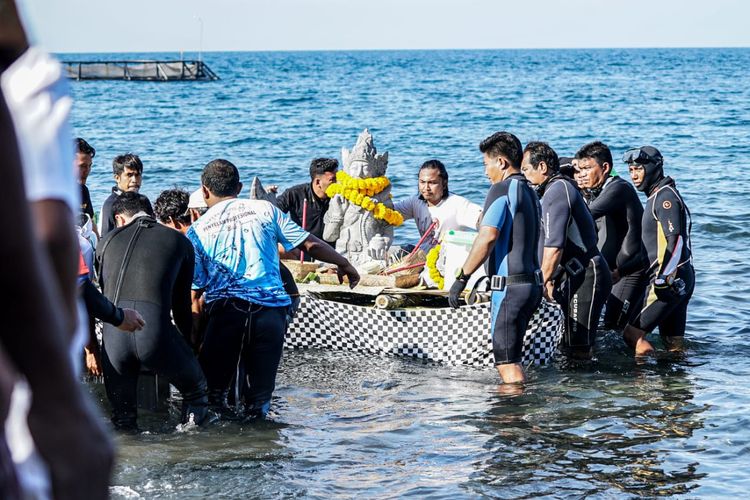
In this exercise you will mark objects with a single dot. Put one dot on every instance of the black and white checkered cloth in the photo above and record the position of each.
(451, 336)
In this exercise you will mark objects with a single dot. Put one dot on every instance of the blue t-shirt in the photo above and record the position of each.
(236, 253)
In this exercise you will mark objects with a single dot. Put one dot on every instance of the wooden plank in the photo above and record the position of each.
(405, 281)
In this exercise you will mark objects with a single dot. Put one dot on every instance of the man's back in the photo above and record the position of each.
(152, 265)
(237, 254)
(567, 222)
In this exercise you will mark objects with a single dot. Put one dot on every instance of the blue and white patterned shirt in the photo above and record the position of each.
(236, 253)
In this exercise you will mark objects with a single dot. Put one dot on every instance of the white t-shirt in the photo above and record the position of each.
(39, 102)
(453, 212)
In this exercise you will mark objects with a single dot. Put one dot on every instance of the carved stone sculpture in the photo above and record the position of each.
(359, 236)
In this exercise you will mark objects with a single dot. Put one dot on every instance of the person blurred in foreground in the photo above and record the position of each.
(65, 430)
(509, 237)
(237, 267)
(666, 229)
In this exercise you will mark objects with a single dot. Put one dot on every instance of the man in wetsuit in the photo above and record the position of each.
(292, 201)
(617, 210)
(147, 266)
(509, 236)
(83, 161)
(128, 172)
(666, 235)
(576, 275)
(237, 267)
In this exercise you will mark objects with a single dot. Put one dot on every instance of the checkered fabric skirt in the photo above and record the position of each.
(452, 336)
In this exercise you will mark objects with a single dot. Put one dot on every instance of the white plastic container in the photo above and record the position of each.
(456, 245)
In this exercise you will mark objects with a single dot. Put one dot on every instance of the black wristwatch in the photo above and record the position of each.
(460, 275)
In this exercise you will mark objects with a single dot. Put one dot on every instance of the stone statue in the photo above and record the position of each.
(359, 236)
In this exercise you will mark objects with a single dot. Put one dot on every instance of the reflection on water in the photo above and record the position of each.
(352, 425)
(586, 433)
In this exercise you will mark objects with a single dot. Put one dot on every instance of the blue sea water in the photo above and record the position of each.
(348, 425)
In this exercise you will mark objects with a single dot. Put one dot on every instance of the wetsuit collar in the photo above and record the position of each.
(541, 188)
(664, 181)
(592, 194)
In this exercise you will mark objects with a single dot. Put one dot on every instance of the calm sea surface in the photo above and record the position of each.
(346, 425)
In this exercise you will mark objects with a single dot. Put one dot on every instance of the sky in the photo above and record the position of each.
(175, 25)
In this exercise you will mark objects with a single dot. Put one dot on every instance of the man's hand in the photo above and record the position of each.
(272, 189)
(350, 272)
(548, 290)
(456, 290)
(93, 364)
(133, 320)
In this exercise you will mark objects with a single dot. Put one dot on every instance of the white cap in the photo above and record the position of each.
(196, 200)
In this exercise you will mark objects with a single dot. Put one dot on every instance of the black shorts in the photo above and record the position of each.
(511, 312)
(669, 314)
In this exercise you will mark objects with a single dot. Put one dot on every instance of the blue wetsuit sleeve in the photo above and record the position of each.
(289, 234)
(556, 214)
(495, 214)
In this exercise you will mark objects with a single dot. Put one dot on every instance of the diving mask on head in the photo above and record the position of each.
(652, 162)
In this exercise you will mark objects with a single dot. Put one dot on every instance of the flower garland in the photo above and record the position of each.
(361, 196)
(370, 187)
(431, 261)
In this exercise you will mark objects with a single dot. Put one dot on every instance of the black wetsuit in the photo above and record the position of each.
(107, 216)
(617, 211)
(666, 236)
(292, 202)
(148, 267)
(583, 280)
(513, 208)
(86, 206)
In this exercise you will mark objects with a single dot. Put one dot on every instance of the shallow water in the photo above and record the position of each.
(345, 425)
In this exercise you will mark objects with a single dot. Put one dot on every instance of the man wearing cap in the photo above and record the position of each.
(666, 227)
(617, 210)
(196, 205)
(575, 274)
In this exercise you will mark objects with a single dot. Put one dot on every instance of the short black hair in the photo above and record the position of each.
(596, 150)
(129, 161)
(172, 204)
(130, 203)
(319, 166)
(503, 144)
(221, 177)
(442, 172)
(542, 152)
(84, 147)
